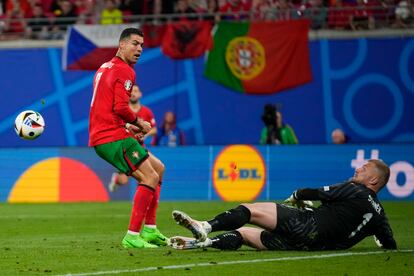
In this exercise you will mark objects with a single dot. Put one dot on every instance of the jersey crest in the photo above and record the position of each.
(128, 85)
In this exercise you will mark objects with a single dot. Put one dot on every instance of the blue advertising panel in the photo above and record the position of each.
(352, 88)
(230, 173)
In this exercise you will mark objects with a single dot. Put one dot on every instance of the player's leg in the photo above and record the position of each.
(252, 237)
(126, 155)
(139, 167)
(260, 214)
(263, 214)
(117, 179)
(232, 240)
(159, 167)
(150, 232)
(142, 199)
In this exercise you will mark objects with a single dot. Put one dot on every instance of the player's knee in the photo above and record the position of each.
(122, 179)
(161, 168)
(154, 179)
(150, 178)
(255, 212)
(249, 209)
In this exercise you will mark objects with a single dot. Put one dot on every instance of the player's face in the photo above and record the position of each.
(135, 94)
(131, 48)
(365, 174)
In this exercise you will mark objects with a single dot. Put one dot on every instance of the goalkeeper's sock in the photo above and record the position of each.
(231, 219)
(151, 217)
(228, 241)
(142, 199)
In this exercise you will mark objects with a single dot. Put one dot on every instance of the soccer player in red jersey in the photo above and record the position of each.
(142, 111)
(109, 114)
(118, 178)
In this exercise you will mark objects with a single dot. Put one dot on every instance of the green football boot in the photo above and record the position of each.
(136, 241)
(154, 236)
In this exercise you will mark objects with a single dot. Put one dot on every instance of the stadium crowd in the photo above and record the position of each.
(48, 19)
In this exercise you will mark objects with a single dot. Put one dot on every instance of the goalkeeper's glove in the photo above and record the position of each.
(377, 242)
(301, 204)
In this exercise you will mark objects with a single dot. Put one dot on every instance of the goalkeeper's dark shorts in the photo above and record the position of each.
(296, 229)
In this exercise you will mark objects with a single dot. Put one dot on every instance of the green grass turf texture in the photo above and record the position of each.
(54, 239)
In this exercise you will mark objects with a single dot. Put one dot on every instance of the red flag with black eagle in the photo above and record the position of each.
(187, 39)
(153, 34)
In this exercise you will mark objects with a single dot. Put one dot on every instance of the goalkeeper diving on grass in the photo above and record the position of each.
(349, 212)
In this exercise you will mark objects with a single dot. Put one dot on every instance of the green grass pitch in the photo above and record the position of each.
(84, 239)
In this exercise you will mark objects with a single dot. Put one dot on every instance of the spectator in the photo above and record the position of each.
(361, 16)
(264, 9)
(317, 13)
(22, 5)
(87, 13)
(338, 137)
(183, 8)
(65, 16)
(169, 134)
(14, 23)
(275, 132)
(339, 16)
(235, 9)
(111, 14)
(385, 15)
(38, 24)
(132, 6)
(210, 10)
(286, 10)
(2, 7)
(404, 14)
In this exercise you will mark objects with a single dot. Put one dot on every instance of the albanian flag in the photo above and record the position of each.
(260, 57)
(187, 39)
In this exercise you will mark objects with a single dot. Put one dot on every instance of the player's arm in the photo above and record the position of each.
(303, 198)
(153, 123)
(385, 236)
(121, 106)
(326, 193)
(152, 132)
(144, 126)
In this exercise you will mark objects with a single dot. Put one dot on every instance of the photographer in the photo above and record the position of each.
(275, 132)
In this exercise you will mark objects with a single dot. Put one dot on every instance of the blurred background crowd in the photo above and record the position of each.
(48, 19)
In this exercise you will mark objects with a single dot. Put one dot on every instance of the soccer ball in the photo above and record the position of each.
(29, 125)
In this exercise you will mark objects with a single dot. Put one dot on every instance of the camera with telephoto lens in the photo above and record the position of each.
(269, 115)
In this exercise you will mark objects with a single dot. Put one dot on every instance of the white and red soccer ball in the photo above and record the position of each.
(29, 124)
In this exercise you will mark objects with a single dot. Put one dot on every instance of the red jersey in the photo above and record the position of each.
(110, 110)
(146, 114)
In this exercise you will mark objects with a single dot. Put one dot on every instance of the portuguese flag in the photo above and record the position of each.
(260, 57)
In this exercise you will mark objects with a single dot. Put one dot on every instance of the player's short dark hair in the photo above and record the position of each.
(130, 31)
(383, 171)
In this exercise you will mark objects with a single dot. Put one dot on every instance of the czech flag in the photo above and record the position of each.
(87, 47)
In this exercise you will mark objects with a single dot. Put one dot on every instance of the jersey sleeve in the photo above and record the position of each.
(385, 236)
(327, 193)
(122, 90)
(152, 120)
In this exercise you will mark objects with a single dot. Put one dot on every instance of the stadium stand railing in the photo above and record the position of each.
(343, 19)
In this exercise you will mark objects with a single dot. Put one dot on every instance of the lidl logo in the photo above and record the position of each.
(239, 173)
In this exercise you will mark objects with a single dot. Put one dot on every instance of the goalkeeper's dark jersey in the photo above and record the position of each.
(349, 212)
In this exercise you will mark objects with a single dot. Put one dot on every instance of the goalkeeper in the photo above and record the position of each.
(348, 213)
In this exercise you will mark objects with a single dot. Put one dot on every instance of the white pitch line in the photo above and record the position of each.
(308, 257)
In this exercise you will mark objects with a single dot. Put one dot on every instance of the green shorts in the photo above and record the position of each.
(125, 155)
